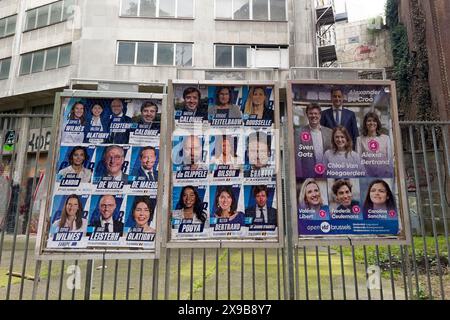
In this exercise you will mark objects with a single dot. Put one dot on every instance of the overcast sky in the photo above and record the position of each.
(361, 9)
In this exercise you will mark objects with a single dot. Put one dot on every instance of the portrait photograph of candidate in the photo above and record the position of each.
(192, 102)
(341, 157)
(312, 197)
(319, 140)
(96, 123)
(224, 150)
(76, 117)
(71, 217)
(193, 152)
(223, 104)
(259, 150)
(147, 168)
(261, 212)
(78, 158)
(118, 116)
(142, 214)
(257, 104)
(379, 196)
(374, 145)
(225, 205)
(338, 115)
(113, 161)
(346, 195)
(105, 216)
(190, 206)
(148, 116)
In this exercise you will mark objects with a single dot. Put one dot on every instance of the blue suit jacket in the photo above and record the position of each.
(141, 174)
(271, 212)
(119, 137)
(348, 120)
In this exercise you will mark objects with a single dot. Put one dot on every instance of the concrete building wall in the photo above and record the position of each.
(359, 47)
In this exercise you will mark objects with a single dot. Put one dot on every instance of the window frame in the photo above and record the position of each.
(155, 54)
(5, 35)
(9, 70)
(250, 3)
(62, 17)
(250, 60)
(44, 62)
(157, 13)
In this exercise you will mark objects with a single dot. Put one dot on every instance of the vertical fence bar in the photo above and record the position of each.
(204, 275)
(330, 272)
(278, 274)
(228, 275)
(102, 278)
(377, 252)
(318, 273)
(419, 207)
(306, 273)
(49, 276)
(367, 275)
(61, 279)
(141, 277)
(253, 275)
(404, 268)
(191, 288)
(242, 274)
(344, 291)
(355, 275)
(441, 193)
(433, 216)
(155, 282)
(127, 292)
(74, 286)
(179, 274)
(297, 274)
(217, 274)
(167, 275)
(447, 161)
(116, 268)
(266, 276)
(391, 273)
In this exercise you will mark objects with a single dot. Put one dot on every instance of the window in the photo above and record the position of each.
(158, 8)
(251, 56)
(47, 59)
(265, 10)
(49, 14)
(154, 53)
(8, 26)
(231, 56)
(5, 64)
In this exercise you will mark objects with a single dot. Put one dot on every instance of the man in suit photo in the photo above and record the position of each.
(337, 115)
(107, 206)
(192, 96)
(146, 120)
(319, 141)
(116, 117)
(146, 171)
(260, 212)
(113, 159)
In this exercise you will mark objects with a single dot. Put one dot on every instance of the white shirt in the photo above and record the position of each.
(317, 140)
(264, 213)
(110, 226)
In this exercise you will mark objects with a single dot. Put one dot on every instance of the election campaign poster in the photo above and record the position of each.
(105, 174)
(225, 177)
(346, 176)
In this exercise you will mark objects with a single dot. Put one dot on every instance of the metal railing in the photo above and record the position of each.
(418, 270)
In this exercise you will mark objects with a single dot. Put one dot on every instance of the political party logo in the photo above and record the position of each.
(322, 213)
(319, 168)
(374, 145)
(356, 209)
(325, 227)
(306, 136)
(392, 213)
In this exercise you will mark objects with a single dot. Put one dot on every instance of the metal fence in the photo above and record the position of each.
(418, 270)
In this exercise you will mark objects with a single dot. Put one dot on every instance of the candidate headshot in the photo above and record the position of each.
(223, 104)
(77, 157)
(117, 117)
(342, 190)
(379, 197)
(259, 149)
(147, 170)
(310, 198)
(113, 160)
(224, 151)
(192, 151)
(78, 112)
(107, 206)
(225, 205)
(261, 213)
(143, 213)
(189, 206)
(257, 104)
(149, 111)
(77, 117)
(71, 216)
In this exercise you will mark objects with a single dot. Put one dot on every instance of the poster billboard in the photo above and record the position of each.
(105, 175)
(345, 169)
(225, 180)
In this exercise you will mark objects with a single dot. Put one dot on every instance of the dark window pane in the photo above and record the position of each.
(240, 57)
(52, 59)
(42, 19)
(184, 55)
(145, 53)
(2, 27)
(223, 9)
(11, 25)
(185, 8)
(55, 12)
(277, 9)
(64, 56)
(38, 61)
(260, 10)
(69, 9)
(31, 19)
(25, 64)
(223, 56)
(148, 8)
(241, 9)
(4, 68)
(126, 53)
(167, 8)
(165, 54)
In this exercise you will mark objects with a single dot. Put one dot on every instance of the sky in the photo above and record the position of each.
(360, 9)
